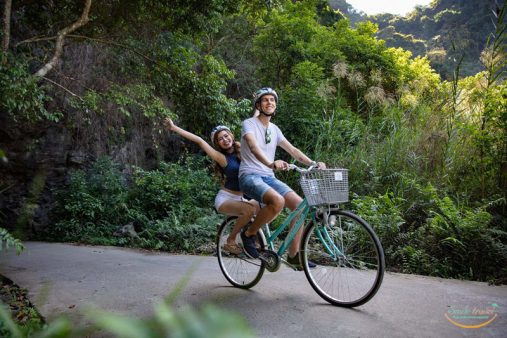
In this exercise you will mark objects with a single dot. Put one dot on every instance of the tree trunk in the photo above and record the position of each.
(7, 25)
(61, 37)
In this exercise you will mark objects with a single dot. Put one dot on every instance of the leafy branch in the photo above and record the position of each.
(10, 241)
(496, 48)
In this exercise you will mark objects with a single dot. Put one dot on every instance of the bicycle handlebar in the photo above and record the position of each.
(303, 170)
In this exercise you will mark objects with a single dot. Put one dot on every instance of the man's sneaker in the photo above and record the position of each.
(249, 245)
(296, 262)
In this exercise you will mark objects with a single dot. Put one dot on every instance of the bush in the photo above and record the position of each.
(432, 235)
(92, 204)
(175, 186)
(171, 235)
(384, 215)
(168, 209)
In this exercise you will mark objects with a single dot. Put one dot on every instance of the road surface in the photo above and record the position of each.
(65, 279)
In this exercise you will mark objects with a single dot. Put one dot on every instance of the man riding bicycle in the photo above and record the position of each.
(259, 140)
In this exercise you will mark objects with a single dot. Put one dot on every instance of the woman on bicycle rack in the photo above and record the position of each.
(259, 140)
(226, 154)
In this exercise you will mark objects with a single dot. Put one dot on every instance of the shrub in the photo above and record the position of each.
(92, 204)
(384, 215)
(172, 235)
(174, 187)
(165, 209)
(432, 235)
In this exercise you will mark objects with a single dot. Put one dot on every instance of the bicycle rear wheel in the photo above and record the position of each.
(349, 258)
(240, 270)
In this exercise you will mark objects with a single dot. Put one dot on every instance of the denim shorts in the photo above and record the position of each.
(255, 186)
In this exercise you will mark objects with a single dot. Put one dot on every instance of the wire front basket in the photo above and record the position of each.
(325, 186)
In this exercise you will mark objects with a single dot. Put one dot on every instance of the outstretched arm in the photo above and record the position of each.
(298, 155)
(209, 150)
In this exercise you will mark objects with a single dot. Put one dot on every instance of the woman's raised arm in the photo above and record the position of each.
(209, 150)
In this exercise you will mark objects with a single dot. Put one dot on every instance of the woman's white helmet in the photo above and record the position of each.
(216, 130)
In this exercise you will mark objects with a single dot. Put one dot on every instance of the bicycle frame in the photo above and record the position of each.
(301, 212)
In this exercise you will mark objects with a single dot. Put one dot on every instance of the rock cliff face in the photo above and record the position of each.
(40, 157)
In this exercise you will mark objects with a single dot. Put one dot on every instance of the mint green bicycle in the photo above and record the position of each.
(347, 252)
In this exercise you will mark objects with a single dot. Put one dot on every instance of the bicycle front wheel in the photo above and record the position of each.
(349, 258)
(240, 270)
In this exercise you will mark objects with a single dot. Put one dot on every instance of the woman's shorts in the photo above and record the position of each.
(224, 196)
(255, 186)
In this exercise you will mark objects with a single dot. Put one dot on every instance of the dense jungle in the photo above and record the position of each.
(421, 125)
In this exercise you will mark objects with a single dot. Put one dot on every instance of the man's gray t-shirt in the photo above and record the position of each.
(249, 163)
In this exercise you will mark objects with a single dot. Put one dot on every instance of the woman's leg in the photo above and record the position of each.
(244, 210)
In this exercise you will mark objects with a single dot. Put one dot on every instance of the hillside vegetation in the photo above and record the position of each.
(85, 157)
(443, 31)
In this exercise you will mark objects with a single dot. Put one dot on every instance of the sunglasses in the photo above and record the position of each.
(267, 136)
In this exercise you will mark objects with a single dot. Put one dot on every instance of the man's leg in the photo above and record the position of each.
(273, 205)
(256, 186)
(292, 200)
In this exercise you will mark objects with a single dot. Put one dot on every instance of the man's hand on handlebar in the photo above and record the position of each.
(316, 165)
(279, 165)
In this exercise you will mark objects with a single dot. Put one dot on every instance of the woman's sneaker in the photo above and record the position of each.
(296, 262)
(249, 245)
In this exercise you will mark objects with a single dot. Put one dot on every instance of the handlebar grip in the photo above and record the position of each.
(313, 166)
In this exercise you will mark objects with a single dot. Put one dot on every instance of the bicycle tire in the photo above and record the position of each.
(349, 257)
(240, 270)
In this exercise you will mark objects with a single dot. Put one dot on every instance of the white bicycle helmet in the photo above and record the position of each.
(264, 91)
(218, 129)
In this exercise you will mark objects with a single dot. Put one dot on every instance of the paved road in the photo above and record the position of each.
(64, 279)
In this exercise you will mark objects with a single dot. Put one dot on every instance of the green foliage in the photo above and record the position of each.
(196, 84)
(92, 205)
(170, 234)
(446, 15)
(140, 97)
(234, 45)
(7, 241)
(167, 209)
(384, 215)
(205, 321)
(8, 327)
(193, 15)
(287, 37)
(302, 107)
(21, 95)
(428, 234)
(351, 14)
(27, 320)
(174, 187)
(328, 15)
(430, 31)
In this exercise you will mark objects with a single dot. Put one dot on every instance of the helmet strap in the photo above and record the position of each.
(263, 113)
